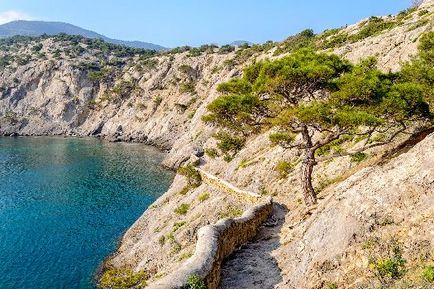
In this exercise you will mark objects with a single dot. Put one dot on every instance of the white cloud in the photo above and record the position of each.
(11, 15)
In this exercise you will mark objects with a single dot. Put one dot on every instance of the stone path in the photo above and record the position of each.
(253, 265)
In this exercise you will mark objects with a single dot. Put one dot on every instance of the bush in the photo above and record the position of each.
(358, 157)
(374, 26)
(231, 212)
(195, 282)
(203, 197)
(230, 145)
(284, 169)
(177, 225)
(226, 49)
(95, 76)
(162, 240)
(303, 39)
(182, 209)
(211, 152)
(123, 279)
(428, 274)
(158, 100)
(194, 178)
(390, 264)
(186, 69)
(188, 87)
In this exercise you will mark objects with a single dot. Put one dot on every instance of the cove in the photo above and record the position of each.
(64, 204)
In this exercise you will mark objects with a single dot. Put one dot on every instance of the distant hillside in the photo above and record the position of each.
(37, 28)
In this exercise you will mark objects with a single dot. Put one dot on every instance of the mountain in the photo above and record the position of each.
(37, 28)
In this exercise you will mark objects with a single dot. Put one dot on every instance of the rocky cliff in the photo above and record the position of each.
(52, 86)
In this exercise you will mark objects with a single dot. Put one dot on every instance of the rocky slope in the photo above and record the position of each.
(68, 87)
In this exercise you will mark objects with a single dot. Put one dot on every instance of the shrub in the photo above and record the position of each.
(195, 282)
(390, 264)
(358, 157)
(95, 76)
(423, 12)
(229, 144)
(303, 39)
(374, 26)
(203, 197)
(186, 69)
(162, 240)
(177, 225)
(284, 168)
(188, 87)
(194, 178)
(184, 190)
(428, 274)
(211, 152)
(226, 49)
(157, 100)
(123, 279)
(231, 212)
(182, 209)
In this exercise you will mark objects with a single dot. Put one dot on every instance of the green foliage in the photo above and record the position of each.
(203, 197)
(297, 75)
(231, 212)
(162, 240)
(374, 26)
(158, 100)
(182, 209)
(226, 49)
(332, 286)
(188, 87)
(195, 282)
(123, 279)
(304, 39)
(186, 69)
(11, 116)
(390, 266)
(428, 274)
(334, 41)
(282, 138)
(177, 226)
(423, 12)
(235, 86)
(358, 157)
(194, 179)
(184, 190)
(37, 47)
(229, 144)
(284, 168)
(238, 112)
(211, 152)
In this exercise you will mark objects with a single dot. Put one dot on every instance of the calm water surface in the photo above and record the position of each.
(64, 204)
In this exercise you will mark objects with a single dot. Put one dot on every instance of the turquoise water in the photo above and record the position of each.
(64, 204)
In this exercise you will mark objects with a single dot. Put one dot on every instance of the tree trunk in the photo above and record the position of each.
(307, 168)
(306, 177)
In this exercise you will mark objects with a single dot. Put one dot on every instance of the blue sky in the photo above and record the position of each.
(193, 22)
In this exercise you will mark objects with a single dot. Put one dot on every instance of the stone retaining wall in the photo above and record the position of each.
(214, 244)
(227, 187)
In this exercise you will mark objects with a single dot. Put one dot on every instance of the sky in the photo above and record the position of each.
(174, 23)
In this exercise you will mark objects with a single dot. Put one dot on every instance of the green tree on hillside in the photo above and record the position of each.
(312, 99)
